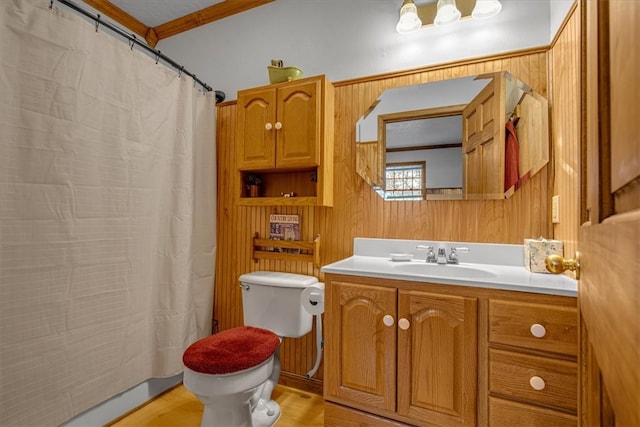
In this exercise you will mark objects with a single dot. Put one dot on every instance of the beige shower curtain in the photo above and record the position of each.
(107, 215)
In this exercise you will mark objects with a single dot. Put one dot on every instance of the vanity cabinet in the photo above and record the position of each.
(285, 135)
(404, 353)
(532, 363)
(400, 352)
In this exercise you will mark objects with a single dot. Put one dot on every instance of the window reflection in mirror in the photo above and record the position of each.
(405, 181)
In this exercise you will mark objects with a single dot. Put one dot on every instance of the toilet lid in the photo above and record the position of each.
(231, 350)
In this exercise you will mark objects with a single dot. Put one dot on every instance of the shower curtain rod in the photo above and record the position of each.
(133, 40)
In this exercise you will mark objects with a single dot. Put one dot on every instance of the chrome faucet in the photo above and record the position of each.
(442, 257)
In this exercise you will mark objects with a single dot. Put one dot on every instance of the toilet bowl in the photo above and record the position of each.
(225, 370)
(233, 372)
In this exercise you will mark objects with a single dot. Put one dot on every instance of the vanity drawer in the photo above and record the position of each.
(534, 326)
(507, 413)
(516, 375)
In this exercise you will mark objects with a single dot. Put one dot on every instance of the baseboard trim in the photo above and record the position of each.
(310, 385)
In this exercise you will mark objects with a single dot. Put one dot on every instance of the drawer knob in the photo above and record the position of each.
(403, 324)
(537, 330)
(537, 383)
(278, 125)
(268, 126)
(388, 320)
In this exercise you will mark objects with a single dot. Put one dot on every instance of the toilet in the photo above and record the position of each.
(233, 372)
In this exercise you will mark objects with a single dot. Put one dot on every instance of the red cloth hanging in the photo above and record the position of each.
(511, 157)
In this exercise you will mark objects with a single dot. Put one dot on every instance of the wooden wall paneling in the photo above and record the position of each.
(566, 136)
(358, 211)
(329, 243)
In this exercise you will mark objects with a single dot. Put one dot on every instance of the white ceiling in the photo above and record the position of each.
(156, 12)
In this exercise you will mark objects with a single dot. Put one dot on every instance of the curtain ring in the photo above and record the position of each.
(132, 40)
(180, 71)
(157, 56)
(51, 4)
(97, 22)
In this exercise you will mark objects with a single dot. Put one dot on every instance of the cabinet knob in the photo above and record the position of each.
(268, 126)
(278, 125)
(388, 320)
(403, 324)
(537, 330)
(537, 383)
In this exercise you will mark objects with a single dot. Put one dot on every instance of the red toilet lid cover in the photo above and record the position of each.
(231, 350)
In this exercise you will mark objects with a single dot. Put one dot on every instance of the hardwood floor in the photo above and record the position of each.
(180, 408)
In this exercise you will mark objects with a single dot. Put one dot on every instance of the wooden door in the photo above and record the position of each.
(609, 239)
(299, 124)
(483, 136)
(360, 358)
(256, 133)
(437, 358)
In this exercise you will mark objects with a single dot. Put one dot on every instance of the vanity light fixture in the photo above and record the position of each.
(409, 20)
(444, 12)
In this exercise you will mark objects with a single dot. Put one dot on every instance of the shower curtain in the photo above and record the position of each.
(107, 215)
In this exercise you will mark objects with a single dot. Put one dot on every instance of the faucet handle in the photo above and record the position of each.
(431, 256)
(453, 254)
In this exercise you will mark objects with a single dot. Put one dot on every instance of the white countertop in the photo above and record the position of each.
(504, 263)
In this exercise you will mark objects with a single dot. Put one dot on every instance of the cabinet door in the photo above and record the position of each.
(360, 356)
(256, 132)
(299, 119)
(437, 358)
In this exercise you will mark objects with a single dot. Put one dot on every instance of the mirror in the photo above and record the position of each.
(448, 139)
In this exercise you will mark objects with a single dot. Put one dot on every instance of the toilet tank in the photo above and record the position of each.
(272, 300)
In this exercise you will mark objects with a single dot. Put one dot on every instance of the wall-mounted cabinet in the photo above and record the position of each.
(285, 134)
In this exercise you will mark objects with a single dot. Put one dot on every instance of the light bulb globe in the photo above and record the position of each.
(447, 13)
(409, 20)
(486, 9)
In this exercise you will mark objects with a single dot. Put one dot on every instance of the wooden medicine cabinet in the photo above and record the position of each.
(285, 135)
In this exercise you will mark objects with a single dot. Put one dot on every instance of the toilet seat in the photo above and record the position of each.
(231, 350)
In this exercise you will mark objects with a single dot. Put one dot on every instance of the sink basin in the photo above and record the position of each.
(452, 271)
